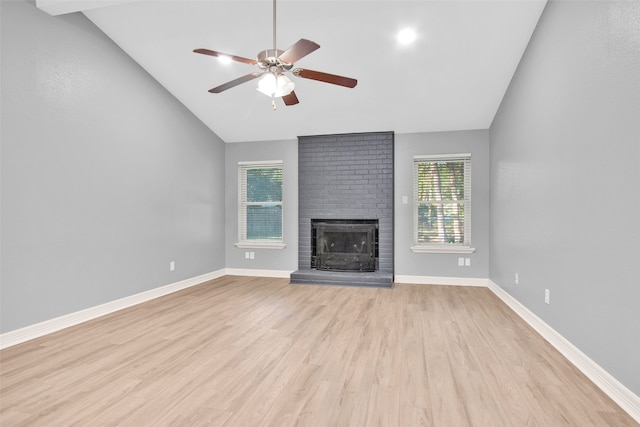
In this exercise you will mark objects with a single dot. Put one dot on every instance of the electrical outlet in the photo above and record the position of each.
(467, 262)
(172, 266)
(460, 262)
(517, 278)
(546, 296)
(252, 255)
(246, 255)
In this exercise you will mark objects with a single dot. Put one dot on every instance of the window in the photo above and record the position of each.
(260, 204)
(442, 203)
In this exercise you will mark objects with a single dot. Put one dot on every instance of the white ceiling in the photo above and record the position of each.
(452, 78)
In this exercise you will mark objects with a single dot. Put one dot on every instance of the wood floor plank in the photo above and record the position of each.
(241, 351)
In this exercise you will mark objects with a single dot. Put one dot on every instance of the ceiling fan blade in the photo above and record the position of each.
(235, 82)
(325, 77)
(300, 49)
(290, 99)
(232, 57)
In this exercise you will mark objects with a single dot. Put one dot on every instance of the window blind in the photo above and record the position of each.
(260, 202)
(442, 200)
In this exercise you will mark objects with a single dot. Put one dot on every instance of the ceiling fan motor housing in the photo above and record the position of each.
(269, 58)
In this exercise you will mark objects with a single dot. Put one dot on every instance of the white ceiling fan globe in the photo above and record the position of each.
(275, 86)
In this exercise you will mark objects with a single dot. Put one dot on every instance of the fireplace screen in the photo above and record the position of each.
(344, 245)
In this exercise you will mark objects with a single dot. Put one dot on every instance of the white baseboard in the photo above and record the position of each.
(624, 397)
(441, 280)
(37, 330)
(282, 274)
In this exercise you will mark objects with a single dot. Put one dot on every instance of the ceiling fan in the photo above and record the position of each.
(273, 64)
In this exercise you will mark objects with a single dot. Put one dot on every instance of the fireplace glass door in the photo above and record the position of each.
(344, 246)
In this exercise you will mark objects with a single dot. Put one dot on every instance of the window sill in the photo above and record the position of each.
(260, 245)
(442, 250)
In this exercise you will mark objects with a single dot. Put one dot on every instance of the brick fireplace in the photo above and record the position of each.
(345, 181)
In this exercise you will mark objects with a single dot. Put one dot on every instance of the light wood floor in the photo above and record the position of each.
(240, 351)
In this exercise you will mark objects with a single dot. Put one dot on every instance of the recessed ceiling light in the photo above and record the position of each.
(224, 59)
(406, 36)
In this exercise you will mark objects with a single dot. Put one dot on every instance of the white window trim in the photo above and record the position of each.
(444, 248)
(257, 244)
(249, 244)
(262, 163)
(424, 249)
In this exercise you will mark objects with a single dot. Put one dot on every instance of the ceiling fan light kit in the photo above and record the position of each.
(273, 63)
(275, 85)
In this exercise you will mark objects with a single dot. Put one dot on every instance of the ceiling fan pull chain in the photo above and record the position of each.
(273, 102)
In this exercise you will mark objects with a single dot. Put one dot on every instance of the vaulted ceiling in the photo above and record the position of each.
(453, 77)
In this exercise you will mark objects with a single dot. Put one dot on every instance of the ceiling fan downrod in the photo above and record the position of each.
(274, 25)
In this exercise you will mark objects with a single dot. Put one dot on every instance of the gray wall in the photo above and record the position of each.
(265, 259)
(565, 147)
(106, 178)
(406, 146)
(419, 264)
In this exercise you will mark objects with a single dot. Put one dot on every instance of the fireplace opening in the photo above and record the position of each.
(344, 244)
